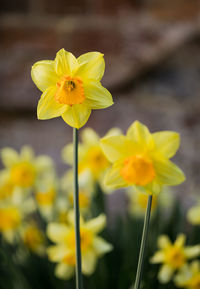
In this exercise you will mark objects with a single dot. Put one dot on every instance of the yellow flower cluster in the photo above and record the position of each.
(19, 178)
(28, 183)
(173, 257)
(71, 87)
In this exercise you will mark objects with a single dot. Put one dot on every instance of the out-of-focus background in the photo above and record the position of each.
(152, 53)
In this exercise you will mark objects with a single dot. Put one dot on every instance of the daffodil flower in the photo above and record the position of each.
(12, 215)
(86, 189)
(138, 202)
(63, 253)
(189, 276)
(142, 159)
(24, 168)
(71, 87)
(91, 157)
(173, 256)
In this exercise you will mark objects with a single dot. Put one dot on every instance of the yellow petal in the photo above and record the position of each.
(97, 96)
(153, 188)
(164, 242)
(193, 215)
(67, 154)
(89, 136)
(27, 153)
(64, 271)
(43, 74)
(113, 178)
(66, 63)
(57, 232)
(139, 133)
(167, 142)
(180, 241)
(56, 253)
(115, 131)
(9, 157)
(168, 173)
(183, 276)
(101, 246)
(76, 115)
(96, 225)
(44, 164)
(157, 258)
(165, 274)
(116, 147)
(48, 107)
(195, 267)
(192, 251)
(89, 261)
(92, 66)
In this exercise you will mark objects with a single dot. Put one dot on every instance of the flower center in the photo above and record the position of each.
(84, 200)
(70, 91)
(10, 218)
(23, 174)
(175, 257)
(138, 170)
(33, 238)
(70, 258)
(86, 239)
(45, 199)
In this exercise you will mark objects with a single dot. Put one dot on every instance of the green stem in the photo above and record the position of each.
(76, 212)
(143, 243)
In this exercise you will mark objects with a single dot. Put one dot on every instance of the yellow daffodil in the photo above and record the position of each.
(33, 238)
(12, 213)
(173, 256)
(193, 215)
(189, 276)
(24, 169)
(71, 87)
(91, 156)
(63, 253)
(138, 202)
(6, 186)
(142, 159)
(86, 189)
(10, 217)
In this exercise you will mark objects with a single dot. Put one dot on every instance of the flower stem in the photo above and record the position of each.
(76, 212)
(143, 243)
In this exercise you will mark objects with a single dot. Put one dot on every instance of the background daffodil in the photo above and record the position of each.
(23, 168)
(189, 276)
(137, 202)
(92, 160)
(173, 256)
(142, 159)
(71, 87)
(63, 253)
(33, 238)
